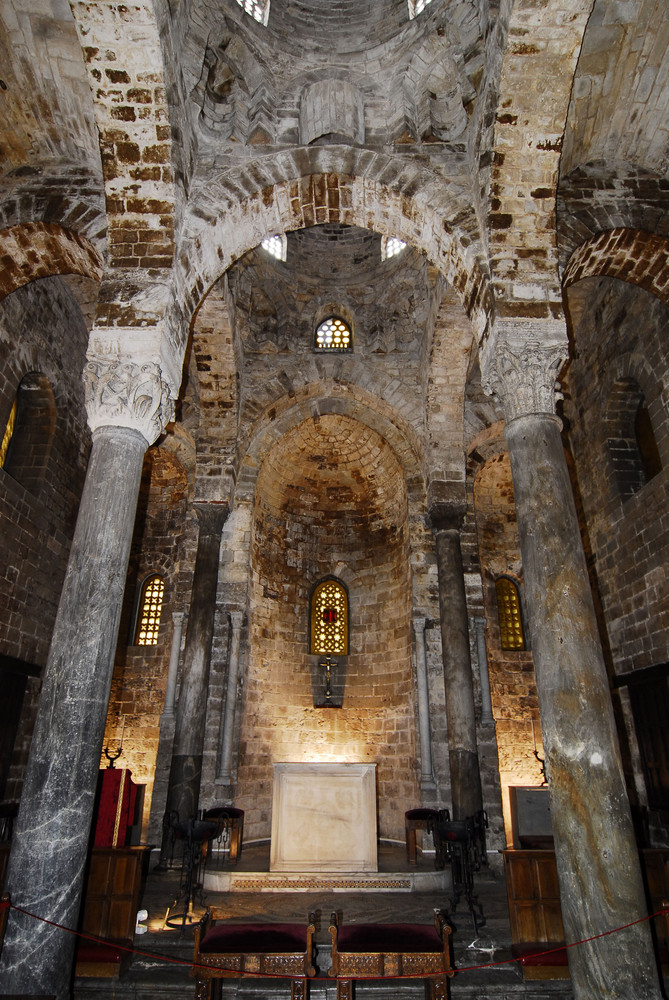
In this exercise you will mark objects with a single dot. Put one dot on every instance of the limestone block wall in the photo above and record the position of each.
(628, 535)
(41, 331)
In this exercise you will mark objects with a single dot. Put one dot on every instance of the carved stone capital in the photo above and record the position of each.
(127, 394)
(236, 620)
(446, 505)
(211, 517)
(520, 364)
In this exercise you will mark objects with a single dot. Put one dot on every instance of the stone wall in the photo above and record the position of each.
(627, 536)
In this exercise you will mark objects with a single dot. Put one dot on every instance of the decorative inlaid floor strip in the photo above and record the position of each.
(227, 881)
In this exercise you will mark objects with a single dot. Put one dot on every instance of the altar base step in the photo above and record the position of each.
(232, 881)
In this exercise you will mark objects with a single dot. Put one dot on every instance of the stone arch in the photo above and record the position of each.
(340, 185)
(631, 255)
(39, 249)
(314, 400)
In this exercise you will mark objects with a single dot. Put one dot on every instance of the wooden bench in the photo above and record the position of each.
(392, 951)
(233, 951)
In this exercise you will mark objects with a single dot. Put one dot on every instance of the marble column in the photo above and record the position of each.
(487, 718)
(224, 772)
(173, 668)
(426, 770)
(50, 842)
(466, 794)
(186, 769)
(597, 857)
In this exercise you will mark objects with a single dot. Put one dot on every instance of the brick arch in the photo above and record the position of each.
(631, 255)
(328, 396)
(78, 206)
(397, 199)
(40, 249)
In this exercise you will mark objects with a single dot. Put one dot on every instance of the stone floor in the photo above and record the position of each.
(160, 967)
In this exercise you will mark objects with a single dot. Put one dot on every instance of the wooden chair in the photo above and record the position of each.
(416, 819)
(391, 951)
(231, 826)
(233, 951)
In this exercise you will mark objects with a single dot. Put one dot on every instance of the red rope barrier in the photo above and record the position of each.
(6, 904)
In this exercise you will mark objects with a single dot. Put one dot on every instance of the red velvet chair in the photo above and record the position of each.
(233, 951)
(391, 951)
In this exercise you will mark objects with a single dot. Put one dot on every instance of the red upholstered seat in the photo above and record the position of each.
(361, 938)
(228, 939)
(224, 951)
(391, 951)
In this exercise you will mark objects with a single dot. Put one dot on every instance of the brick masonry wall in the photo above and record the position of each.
(628, 538)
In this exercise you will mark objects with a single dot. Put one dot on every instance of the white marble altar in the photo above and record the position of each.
(324, 818)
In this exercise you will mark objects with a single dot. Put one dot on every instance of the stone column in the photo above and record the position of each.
(186, 770)
(50, 843)
(427, 775)
(487, 718)
(466, 794)
(224, 774)
(173, 669)
(597, 857)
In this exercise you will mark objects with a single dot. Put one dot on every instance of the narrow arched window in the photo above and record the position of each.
(149, 611)
(511, 632)
(328, 632)
(333, 334)
(29, 432)
(635, 457)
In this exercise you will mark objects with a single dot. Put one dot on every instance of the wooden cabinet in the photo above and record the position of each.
(534, 903)
(114, 883)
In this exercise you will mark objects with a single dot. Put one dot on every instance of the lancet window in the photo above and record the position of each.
(511, 632)
(149, 611)
(329, 619)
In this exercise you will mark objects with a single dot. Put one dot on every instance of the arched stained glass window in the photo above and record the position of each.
(329, 619)
(333, 335)
(149, 611)
(509, 614)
